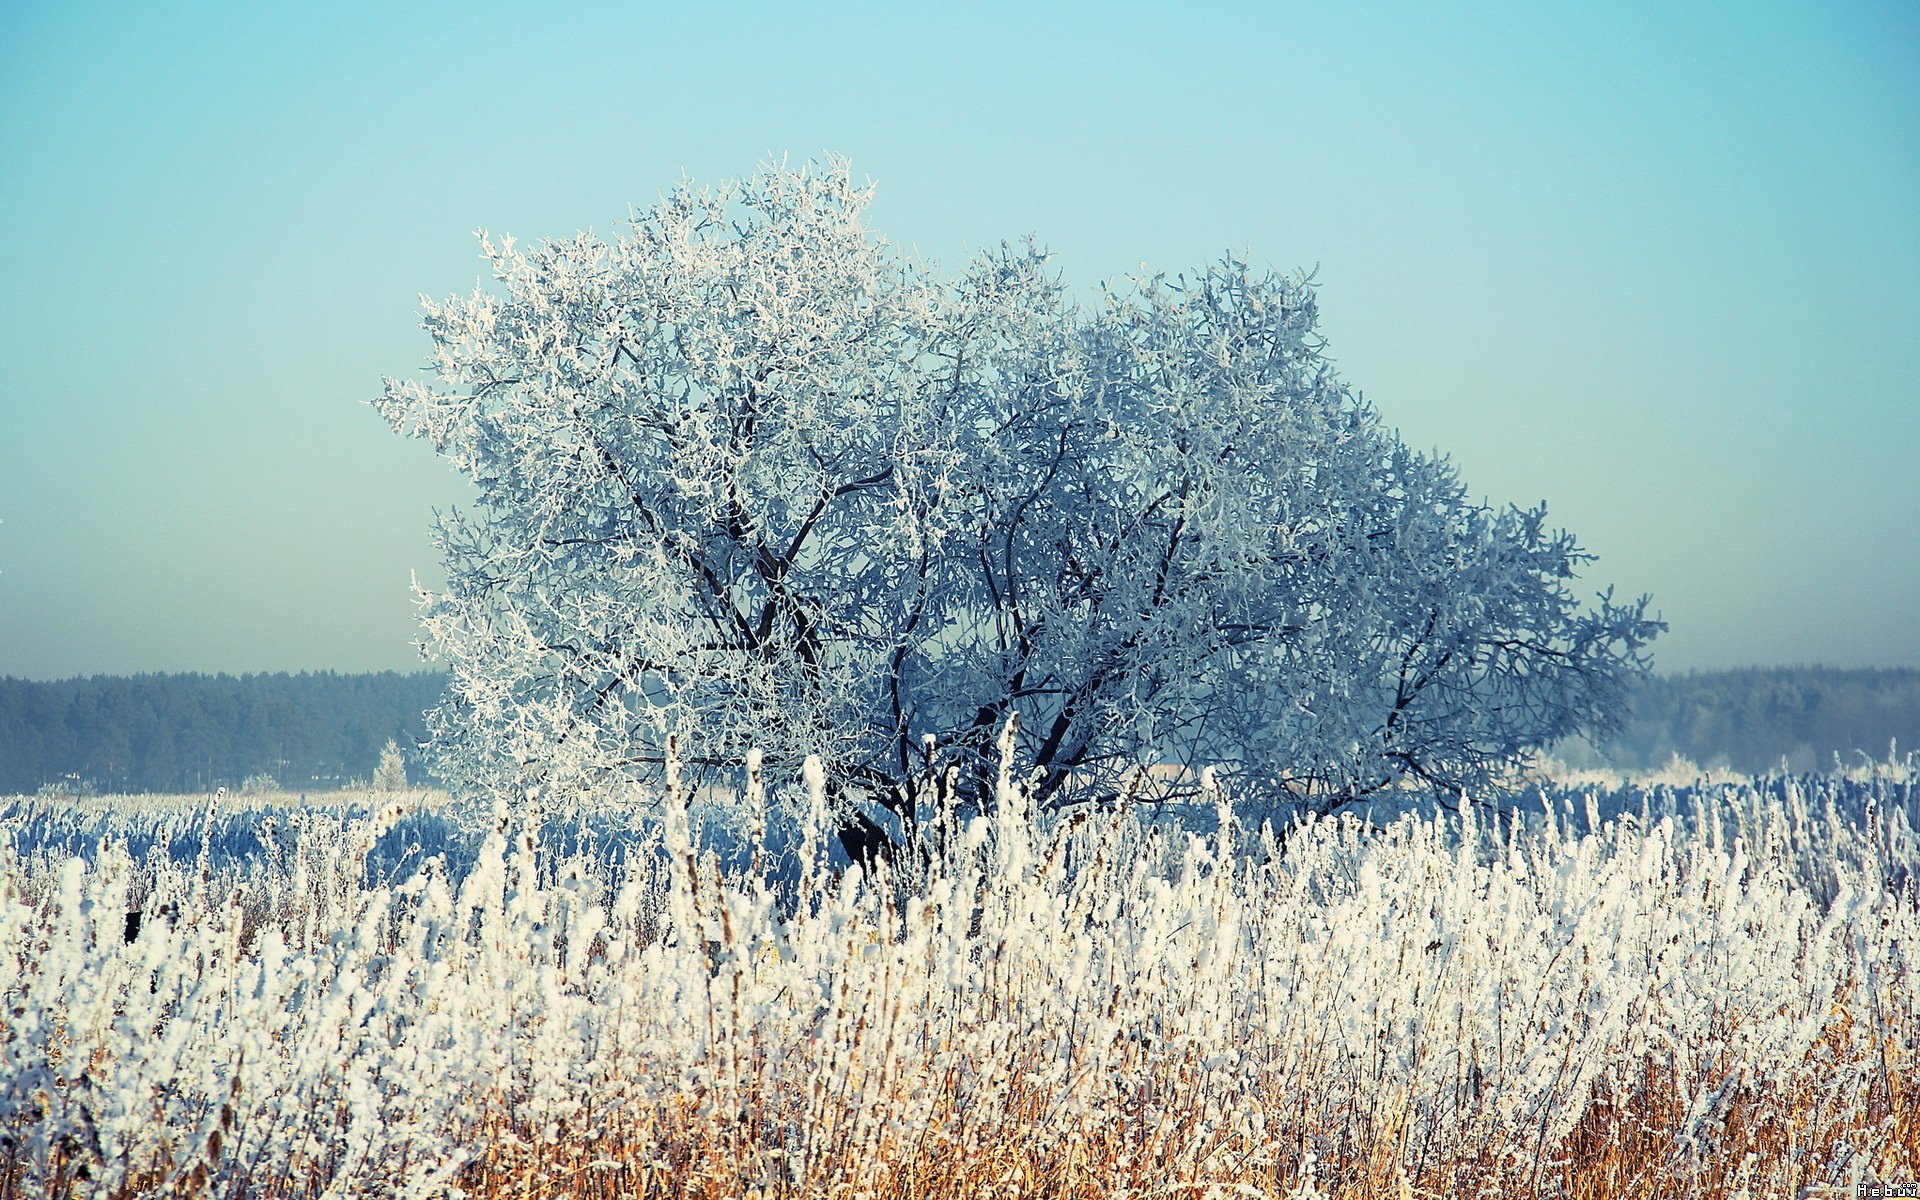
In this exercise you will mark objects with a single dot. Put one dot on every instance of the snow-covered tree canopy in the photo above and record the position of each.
(749, 476)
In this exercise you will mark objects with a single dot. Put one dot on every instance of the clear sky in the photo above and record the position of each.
(1657, 264)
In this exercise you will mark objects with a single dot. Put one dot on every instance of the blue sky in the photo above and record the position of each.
(1656, 264)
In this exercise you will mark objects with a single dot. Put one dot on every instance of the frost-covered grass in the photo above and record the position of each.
(1631, 992)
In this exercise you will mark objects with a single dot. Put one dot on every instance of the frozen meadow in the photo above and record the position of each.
(1628, 990)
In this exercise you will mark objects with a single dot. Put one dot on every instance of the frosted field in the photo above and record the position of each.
(1630, 990)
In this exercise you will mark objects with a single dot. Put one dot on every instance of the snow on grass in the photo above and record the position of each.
(1642, 991)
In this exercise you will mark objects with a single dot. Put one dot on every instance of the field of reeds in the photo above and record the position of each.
(1592, 992)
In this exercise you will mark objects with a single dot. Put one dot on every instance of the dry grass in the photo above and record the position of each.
(1653, 1009)
(1632, 1143)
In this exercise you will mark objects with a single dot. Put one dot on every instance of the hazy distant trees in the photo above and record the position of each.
(748, 478)
(131, 733)
(177, 733)
(1755, 718)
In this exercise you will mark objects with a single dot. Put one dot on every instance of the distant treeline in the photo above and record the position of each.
(1754, 718)
(189, 733)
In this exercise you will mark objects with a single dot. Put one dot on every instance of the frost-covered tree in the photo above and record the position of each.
(750, 479)
(390, 773)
